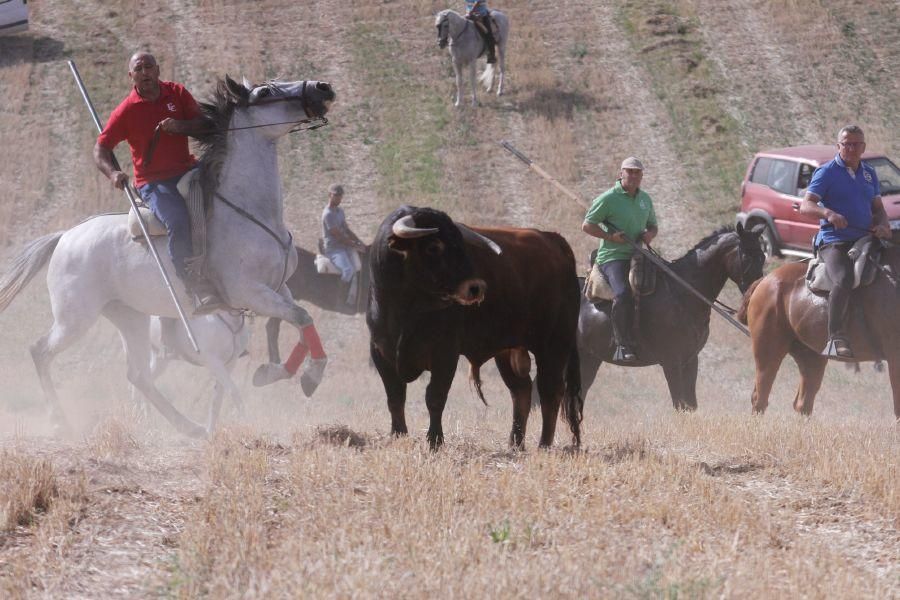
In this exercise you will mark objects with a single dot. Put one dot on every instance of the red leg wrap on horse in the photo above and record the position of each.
(298, 354)
(311, 338)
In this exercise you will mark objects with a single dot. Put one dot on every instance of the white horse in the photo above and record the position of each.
(223, 338)
(96, 268)
(466, 45)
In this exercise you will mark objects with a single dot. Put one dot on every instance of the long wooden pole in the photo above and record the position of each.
(651, 257)
(137, 213)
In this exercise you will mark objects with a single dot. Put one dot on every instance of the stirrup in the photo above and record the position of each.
(624, 354)
(207, 303)
(838, 351)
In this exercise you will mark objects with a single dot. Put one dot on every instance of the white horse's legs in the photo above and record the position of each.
(458, 74)
(501, 65)
(61, 335)
(134, 328)
(158, 364)
(473, 81)
(281, 305)
(223, 382)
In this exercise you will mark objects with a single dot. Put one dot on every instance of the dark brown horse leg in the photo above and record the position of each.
(675, 379)
(689, 382)
(520, 392)
(812, 370)
(551, 387)
(894, 372)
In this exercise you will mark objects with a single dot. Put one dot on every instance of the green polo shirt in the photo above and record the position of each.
(631, 215)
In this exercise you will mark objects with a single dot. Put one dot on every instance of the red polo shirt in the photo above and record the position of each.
(135, 119)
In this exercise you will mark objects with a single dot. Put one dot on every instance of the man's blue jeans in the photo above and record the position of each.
(167, 204)
(341, 259)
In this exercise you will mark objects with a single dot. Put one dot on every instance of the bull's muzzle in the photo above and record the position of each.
(470, 292)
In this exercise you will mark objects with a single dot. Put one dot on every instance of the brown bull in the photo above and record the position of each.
(441, 290)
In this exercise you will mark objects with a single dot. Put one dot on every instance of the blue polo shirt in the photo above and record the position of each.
(845, 194)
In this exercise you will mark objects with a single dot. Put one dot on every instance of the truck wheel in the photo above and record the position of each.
(768, 243)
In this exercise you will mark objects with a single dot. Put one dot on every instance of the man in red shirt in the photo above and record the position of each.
(170, 106)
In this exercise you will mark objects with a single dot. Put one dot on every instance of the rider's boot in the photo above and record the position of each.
(621, 322)
(490, 40)
(838, 345)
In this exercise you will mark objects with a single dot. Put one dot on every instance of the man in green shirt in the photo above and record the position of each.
(623, 211)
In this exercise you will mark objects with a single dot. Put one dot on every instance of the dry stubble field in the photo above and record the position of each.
(311, 497)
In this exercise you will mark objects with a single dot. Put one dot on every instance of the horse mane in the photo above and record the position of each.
(213, 143)
(705, 243)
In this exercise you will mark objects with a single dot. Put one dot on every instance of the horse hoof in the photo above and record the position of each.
(312, 375)
(269, 373)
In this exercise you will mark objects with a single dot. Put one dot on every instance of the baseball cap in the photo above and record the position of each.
(632, 163)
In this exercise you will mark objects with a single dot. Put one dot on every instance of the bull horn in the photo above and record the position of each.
(475, 238)
(406, 228)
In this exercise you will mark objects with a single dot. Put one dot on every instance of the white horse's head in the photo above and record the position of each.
(448, 25)
(276, 107)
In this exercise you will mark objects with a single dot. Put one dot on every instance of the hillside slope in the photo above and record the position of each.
(693, 91)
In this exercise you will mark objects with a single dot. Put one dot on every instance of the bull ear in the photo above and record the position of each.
(476, 239)
(739, 229)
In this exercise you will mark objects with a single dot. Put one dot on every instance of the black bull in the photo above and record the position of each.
(438, 291)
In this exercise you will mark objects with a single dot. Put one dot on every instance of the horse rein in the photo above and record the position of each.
(313, 122)
(285, 246)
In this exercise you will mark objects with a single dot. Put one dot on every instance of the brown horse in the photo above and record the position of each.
(786, 318)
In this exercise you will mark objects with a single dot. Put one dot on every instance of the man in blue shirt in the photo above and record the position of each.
(477, 12)
(845, 195)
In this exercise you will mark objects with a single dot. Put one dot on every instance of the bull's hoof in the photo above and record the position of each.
(313, 372)
(435, 441)
(269, 373)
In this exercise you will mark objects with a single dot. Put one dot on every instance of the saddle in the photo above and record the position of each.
(324, 266)
(865, 255)
(642, 278)
(479, 24)
(188, 184)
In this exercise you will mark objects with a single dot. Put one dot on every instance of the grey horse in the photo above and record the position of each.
(466, 45)
(95, 268)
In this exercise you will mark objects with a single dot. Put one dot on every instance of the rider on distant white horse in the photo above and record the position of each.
(171, 107)
(477, 12)
(339, 240)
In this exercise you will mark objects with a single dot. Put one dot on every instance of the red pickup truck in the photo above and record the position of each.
(775, 183)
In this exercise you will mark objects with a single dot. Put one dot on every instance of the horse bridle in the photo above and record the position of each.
(445, 22)
(313, 122)
(319, 121)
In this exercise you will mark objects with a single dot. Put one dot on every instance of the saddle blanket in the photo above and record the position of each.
(863, 269)
(326, 267)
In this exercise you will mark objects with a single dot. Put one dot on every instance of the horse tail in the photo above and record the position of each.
(26, 265)
(487, 78)
(475, 376)
(745, 301)
(573, 406)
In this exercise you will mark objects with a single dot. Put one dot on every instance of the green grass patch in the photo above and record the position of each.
(410, 127)
(665, 38)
